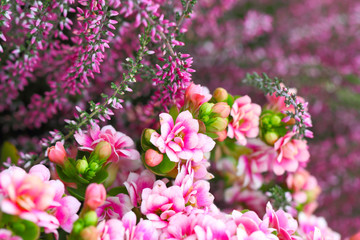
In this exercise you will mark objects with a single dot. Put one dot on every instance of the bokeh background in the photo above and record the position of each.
(314, 46)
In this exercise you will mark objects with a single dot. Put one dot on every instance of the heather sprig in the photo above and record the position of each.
(270, 86)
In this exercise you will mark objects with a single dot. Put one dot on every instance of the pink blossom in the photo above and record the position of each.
(114, 207)
(250, 226)
(160, 203)
(181, 140)
(122, 145)
(311, 227)
(95, 195)
(195, 96)
(197, 226)
(245, 120)
(127, 229)
(7, 235)
(136, 183)
(283, 222)
(292, 153)
(57, 153)
(112, 229)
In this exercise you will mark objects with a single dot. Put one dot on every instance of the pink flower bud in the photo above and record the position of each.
(221, 108)
(89, 233)
(222, 135)
(153, 158)
(95, 195)
(57, 153)
(220, 94)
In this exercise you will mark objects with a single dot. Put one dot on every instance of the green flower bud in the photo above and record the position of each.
(78, 226)
(90, 218)
(18, 227)
(275, 120)
(218, 125)
(94, 166)
(271, 137)
(205, 109)
(145, 138)
(81, 166)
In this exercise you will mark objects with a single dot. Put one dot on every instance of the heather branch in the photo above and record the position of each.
(271, 86)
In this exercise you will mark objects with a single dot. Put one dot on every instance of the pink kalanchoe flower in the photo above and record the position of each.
(114, 207)
(112, 229)
(292, 153)
(250, 226)
(95, 195)
(136, 183)
(311, 227)
(282, 222)
(181, 140)
(122, 145)
(245, 120)
(160, 203)
(195, 193)
(7, 235)
(195, 96)
(24, 193)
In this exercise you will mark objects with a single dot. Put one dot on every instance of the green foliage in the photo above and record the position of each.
(25, 229)
(8, 150)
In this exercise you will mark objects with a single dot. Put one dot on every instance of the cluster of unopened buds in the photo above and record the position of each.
(163, 191)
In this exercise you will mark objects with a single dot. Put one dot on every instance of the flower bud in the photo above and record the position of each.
(271, 137)
(94, 166)
(89, 233)
(95, 195)
(222, 135)
(57, 154)
(103, 150)
(220, 94)
(90, 218)
(82, 165)
(218, 125)
(153, 158)
(145, 138)
(78, 226)
(205, 109)
(275, 120)
(221, 108)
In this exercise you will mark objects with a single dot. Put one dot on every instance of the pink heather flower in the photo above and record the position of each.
(245, 120)
(114, 207)
(282, 222)
(95, 195)
(311, 226)
(136, 183)
(195, 96)
(7, 235)
(292, 153)
(181, 140)
(57, 153)
(122, 145)
(160, 203)
(256, 24)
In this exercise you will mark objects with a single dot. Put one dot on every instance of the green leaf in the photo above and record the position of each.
(230, 100)
(8, 150)
(62, 175)
(78, 193)
(25, 229)
(117, 190)
(174, 112)
(163, 168)
(100, 176)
